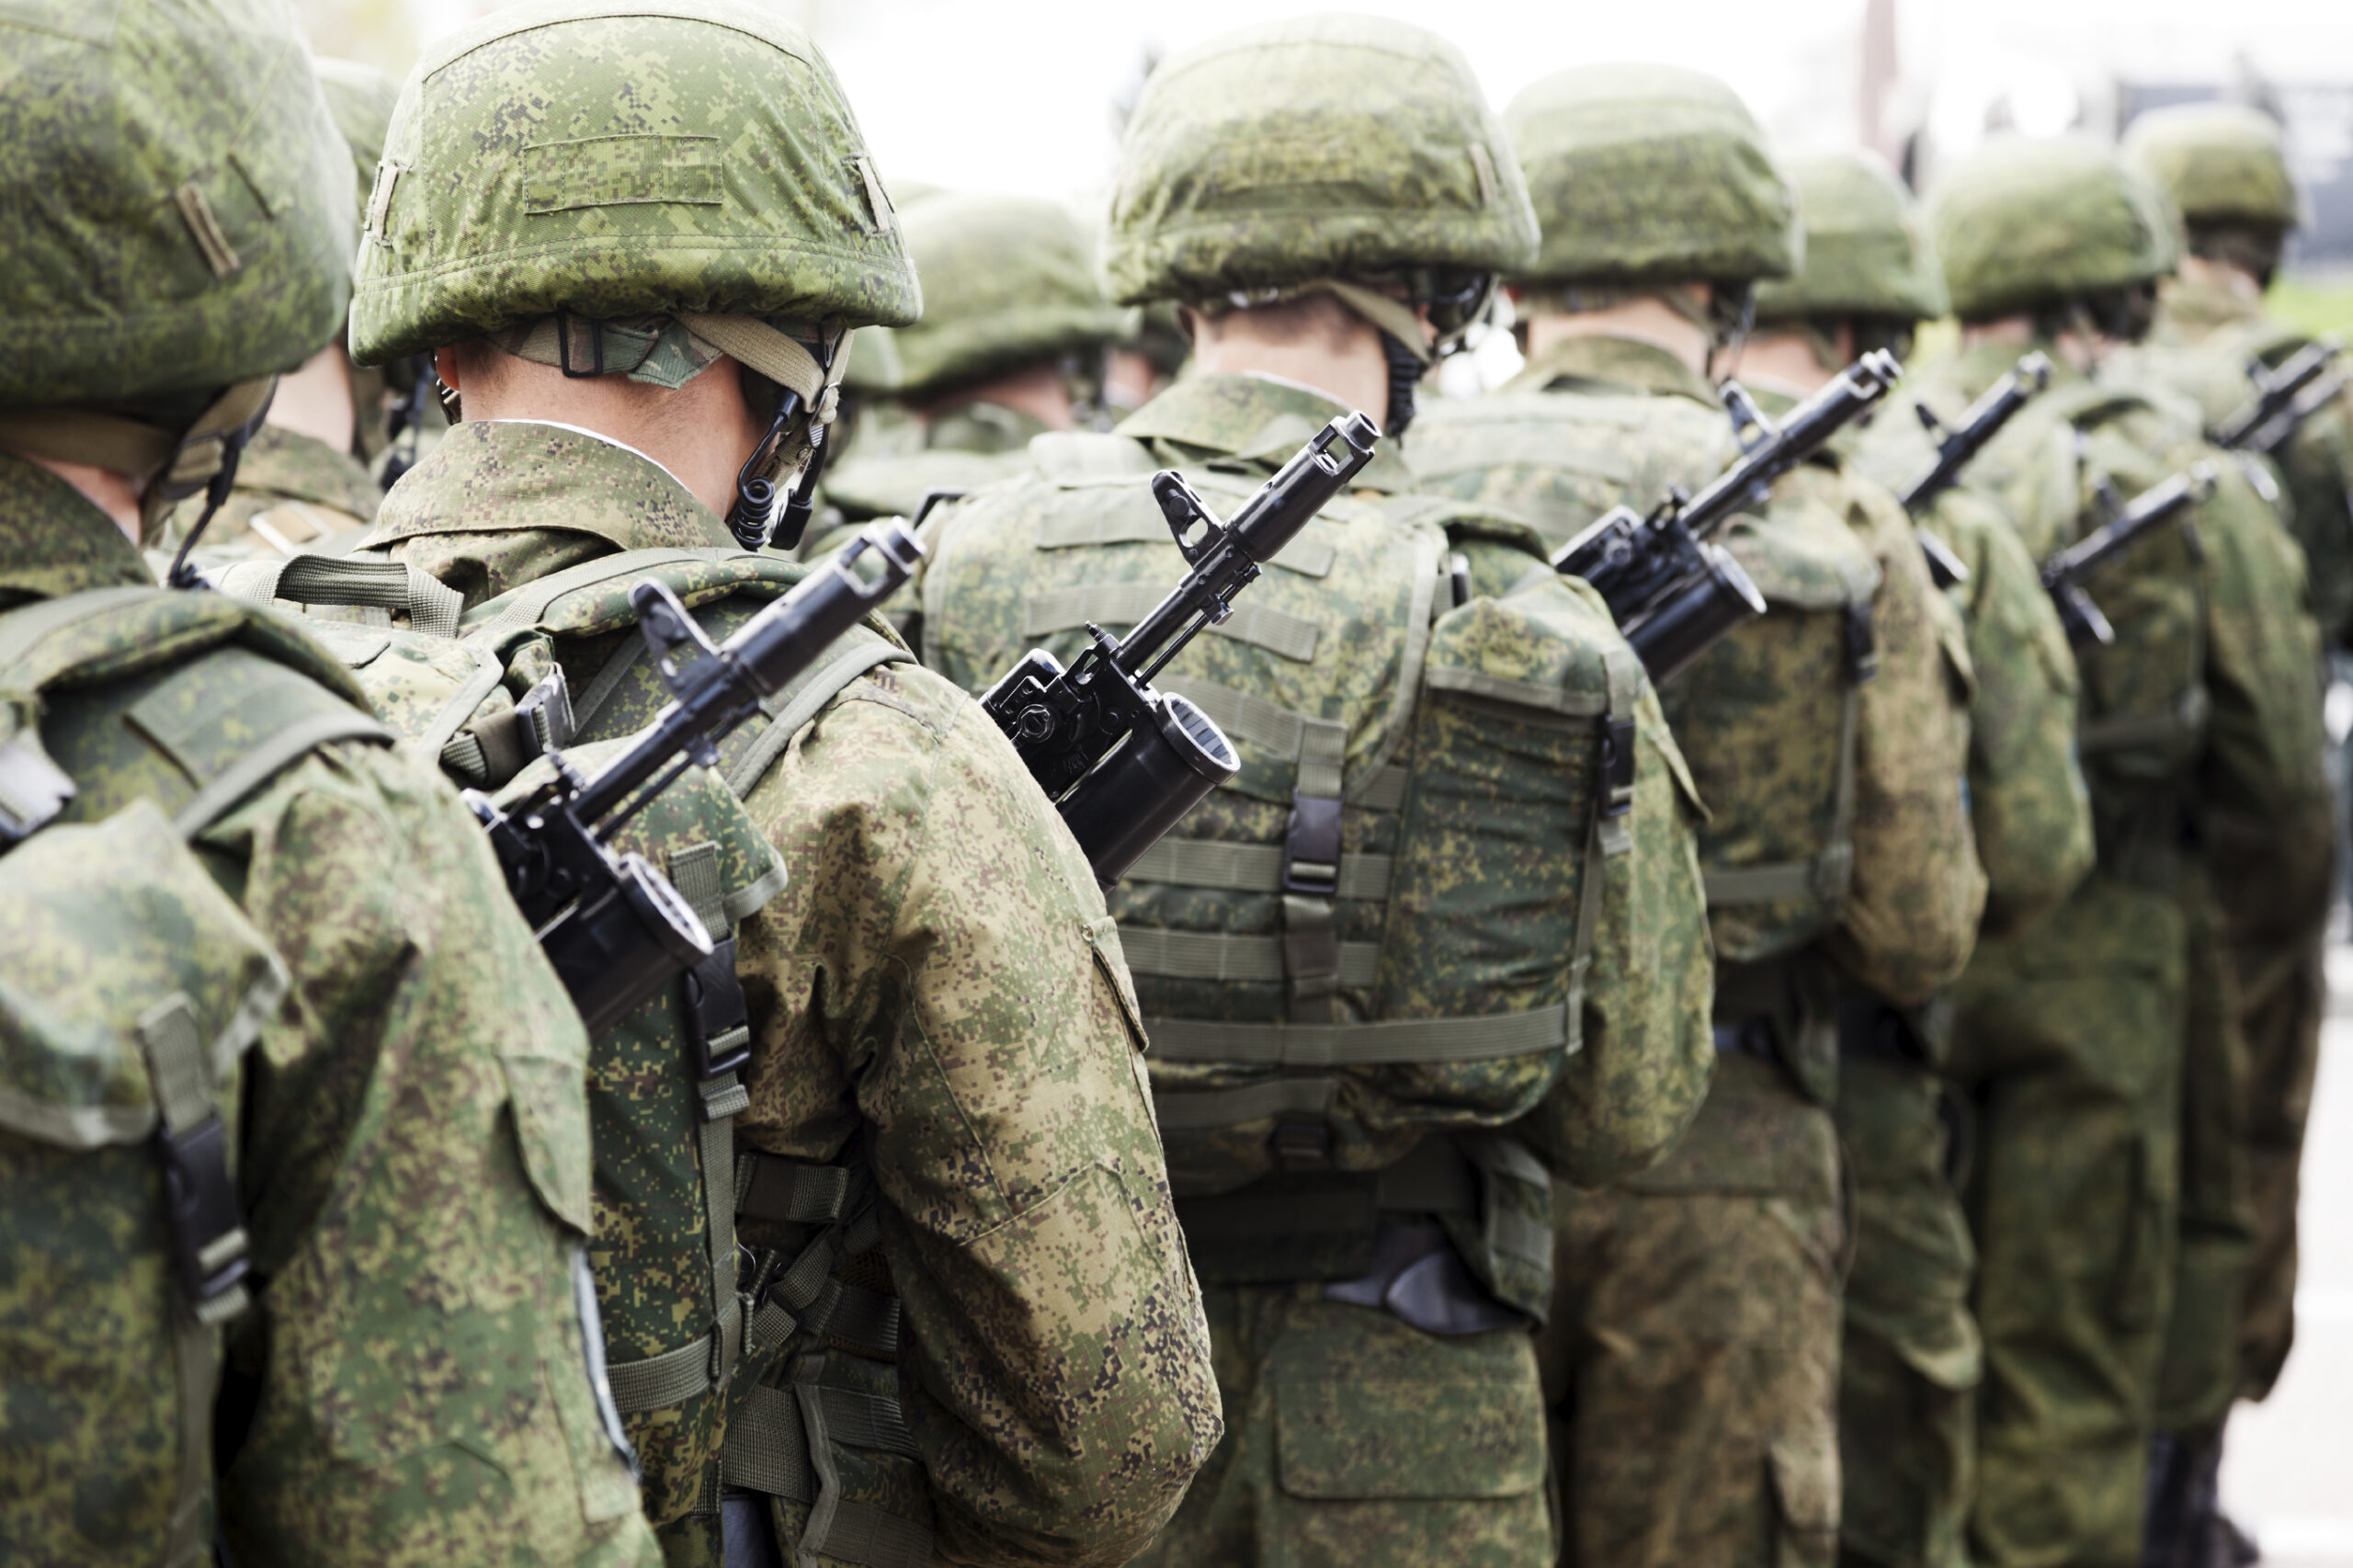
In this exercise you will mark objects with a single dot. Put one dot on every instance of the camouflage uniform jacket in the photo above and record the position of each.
(2212, 688)
(412, 1151)
(2205, 338)
(293, 492)
(939, 998)
(890, 468)
(1623, 1096)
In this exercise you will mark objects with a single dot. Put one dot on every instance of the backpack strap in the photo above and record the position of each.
(365, 582)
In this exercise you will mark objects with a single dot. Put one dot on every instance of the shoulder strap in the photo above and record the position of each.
(362, 581)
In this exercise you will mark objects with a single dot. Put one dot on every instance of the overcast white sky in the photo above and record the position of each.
(1015, 95)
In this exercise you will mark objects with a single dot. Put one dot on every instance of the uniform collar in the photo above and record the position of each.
(53, 542)
(1259, 420)
(1613, 364)
(500, 503)
(2196, 308)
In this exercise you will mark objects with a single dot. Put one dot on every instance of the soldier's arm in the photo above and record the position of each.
(2028, 803)
(416, 1178)
(1912, 910)
(956, 986)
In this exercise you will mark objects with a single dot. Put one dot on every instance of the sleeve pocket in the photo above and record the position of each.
(548, 1097)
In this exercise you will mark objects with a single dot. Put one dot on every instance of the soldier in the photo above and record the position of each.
(1012, 343)
(1426, 908)
(2225, 170)
(278, 1060)
(2070, 1031)
(1691, 1358)
(963, 1325)
(304, 478)
(1910, 1360)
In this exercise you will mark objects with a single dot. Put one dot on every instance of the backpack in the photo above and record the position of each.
(131, 987)
(484, 693)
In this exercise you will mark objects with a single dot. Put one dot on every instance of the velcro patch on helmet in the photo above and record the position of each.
(621, 171)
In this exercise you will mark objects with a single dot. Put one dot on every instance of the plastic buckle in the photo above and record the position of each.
(1302, 1145)
(208, 1229)
(563, 346)
(718, 1036)
(1312, 846)
(1618, 767)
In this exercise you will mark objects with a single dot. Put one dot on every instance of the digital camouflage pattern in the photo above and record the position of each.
(1230, 169)
(2029, 221)
(1054, 1372)
(888, 468)
(293, 492)
(1864, 255)
(235, 265)
(1007, 279)
(602, 164)
(2220, 163)
(414, 1135)
(2069, 1032)
(1648, 173)
(361, 99)
(1323, 1397)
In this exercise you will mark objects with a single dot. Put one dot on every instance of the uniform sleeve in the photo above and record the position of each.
(1911, 909)
(2028, 803)
(1623, 1100)
(417, 1193)
(2264, 739)
(969, 1019)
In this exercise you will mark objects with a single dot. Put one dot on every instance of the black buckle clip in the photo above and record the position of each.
(563, 346)
(716, 1012)
(209, 1240)
(1302, 1145)
(1312, 846)
(1862, 645)
(1618, 767)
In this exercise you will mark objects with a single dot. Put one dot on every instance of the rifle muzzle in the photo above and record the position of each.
(625, 943)
(1696, 614)
(1168, 762)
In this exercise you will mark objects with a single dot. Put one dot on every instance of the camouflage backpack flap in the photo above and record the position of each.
(130, 987)
(1767, 721)
(1561, 461)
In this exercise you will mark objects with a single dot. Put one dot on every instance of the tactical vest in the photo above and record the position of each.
(1368, 948)
(671, 1186)
(2145, 702)
(131, 987)
(1768, 721)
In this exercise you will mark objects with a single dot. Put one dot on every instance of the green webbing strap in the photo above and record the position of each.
(765, 1449)
(804, 706)
(1124, 604)
(1385, 792)
(789, 1192)
(182, 1081)
(657, 1382)
(1250, 867)
(1309, 1099)
(1388, 1041)
(1203, 955)
(1308, 557)
(266, 758)
(523, 608)
(1827, 875)
(605, 682)
(694, 871)
(769, 1450)
(1313, 960)
(432, 604)
(1315, 746)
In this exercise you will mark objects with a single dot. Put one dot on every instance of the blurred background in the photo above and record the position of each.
(1028, 95)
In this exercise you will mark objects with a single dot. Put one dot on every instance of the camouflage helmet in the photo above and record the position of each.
(361, 98)
(1007, 279)
(1650, 174)
(176, 214)
(2027, 222)
(647, 158)
(2221, 164)
(1864, 254)
(1332, 147)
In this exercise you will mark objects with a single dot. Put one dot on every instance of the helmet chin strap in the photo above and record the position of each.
(1404, 384)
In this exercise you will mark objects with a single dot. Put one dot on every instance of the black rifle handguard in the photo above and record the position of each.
(2065, 572)
(1672, 593)
(615, 929)
(2284, 398)
(1123, 762)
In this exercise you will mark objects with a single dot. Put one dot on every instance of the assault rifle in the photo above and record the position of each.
(1957, 445)
(614, 928)
(1673, 594)
(1123, 762)
(2064, 574)
(2284, 398)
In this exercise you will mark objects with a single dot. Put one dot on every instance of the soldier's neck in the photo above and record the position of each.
(116, 494)
(1784, 361)
(315, 401)
(1654, 322)
(2204, 272)
(700, 433)
(1038, 391)
(1344, 363)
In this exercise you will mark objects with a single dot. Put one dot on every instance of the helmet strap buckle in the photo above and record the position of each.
(563, 319)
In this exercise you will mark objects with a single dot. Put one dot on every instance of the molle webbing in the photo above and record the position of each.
(1321, 1225)
(1124, 604)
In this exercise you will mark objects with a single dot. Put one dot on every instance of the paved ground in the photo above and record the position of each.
(2288, 1472)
